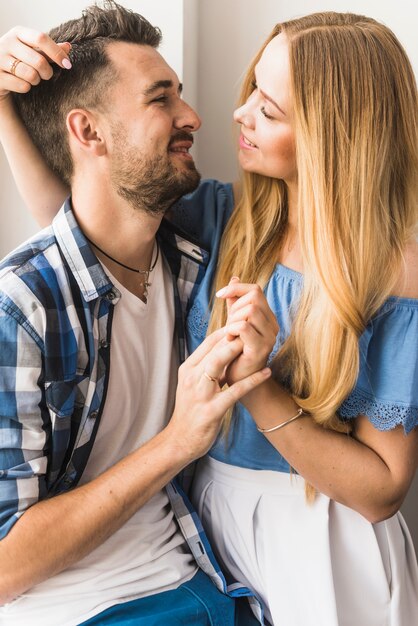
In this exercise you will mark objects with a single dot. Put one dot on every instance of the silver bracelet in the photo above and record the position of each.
(291, 419)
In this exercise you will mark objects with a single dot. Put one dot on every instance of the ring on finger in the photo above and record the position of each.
(13, 66)
(211, 378)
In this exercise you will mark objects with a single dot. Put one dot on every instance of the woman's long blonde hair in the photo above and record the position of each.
(355, 122)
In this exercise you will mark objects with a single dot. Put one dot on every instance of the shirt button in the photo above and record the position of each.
(111, 295)
(104, 343)
(93, 415)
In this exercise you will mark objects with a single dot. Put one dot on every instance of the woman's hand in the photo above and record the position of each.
(25, 59)
(251, 319)
(200, 402)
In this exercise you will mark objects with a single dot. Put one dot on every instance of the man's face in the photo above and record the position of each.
(151, 129)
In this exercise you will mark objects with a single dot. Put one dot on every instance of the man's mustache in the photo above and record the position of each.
(181, 135)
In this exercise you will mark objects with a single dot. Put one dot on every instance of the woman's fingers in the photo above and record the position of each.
(25, 59)
(256, 316)
(237, 290)
(244, 294)
(38, 44)
(252, 340)
(10, 83)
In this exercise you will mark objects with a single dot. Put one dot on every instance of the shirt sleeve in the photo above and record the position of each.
(386, 390)
(204, 213)
(23, 427)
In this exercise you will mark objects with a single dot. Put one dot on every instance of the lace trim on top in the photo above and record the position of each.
(382, 415)
(197, 321)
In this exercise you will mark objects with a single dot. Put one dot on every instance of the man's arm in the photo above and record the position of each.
(50, 535)
(42, 191)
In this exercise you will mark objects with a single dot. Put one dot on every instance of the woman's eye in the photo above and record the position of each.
(266, 115)
(254, 85)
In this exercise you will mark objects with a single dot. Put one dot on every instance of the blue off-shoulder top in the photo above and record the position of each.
(386, 390)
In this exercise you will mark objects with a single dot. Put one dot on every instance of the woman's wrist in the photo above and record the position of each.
(268, 402)
(8, 114)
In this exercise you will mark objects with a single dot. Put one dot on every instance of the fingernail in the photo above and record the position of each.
(67, 43)
(221, 292)
(235, 279)
(67, 64)
(266, 371)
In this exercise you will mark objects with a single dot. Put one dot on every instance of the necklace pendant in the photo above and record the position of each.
(145, 286)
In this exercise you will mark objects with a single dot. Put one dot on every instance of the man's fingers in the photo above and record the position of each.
(226, 399)
(205, 347)
(220, 357)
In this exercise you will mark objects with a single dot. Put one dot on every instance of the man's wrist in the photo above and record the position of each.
(175, 449)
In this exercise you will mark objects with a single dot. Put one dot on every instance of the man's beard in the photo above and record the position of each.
(151, 184)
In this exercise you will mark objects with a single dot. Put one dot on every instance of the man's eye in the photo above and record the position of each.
(162, 99)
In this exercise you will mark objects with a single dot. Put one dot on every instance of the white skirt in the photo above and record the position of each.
(310, 565)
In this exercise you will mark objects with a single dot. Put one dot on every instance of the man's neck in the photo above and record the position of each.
(120, 231)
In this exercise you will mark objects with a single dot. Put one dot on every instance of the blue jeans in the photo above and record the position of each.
(195, 603)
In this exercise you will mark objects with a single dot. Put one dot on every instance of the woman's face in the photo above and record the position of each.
(266, 143)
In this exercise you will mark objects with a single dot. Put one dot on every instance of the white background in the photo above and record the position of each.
(209, 43)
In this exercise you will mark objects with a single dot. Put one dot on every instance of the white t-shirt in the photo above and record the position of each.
(148, 554)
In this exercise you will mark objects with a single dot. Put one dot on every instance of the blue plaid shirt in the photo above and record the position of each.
(56, 309)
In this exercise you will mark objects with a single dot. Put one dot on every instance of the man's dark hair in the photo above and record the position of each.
(45, 107)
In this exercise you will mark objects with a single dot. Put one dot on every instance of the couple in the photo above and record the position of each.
(300, 490)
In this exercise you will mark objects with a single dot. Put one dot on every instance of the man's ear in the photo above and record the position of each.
(85, 132)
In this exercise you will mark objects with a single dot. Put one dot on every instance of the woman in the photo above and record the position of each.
(325, 224)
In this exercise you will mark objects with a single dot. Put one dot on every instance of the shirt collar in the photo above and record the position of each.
(87, 270)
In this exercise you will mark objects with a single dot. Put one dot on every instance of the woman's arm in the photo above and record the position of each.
(370, 471)
(42, 191)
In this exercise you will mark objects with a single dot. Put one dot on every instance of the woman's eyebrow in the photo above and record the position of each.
(272, 101)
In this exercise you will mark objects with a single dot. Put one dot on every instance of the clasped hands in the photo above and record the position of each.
(250, 319)
(235, 354)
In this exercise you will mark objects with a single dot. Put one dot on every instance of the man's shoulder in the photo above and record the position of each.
(28, 275)
(24, 257)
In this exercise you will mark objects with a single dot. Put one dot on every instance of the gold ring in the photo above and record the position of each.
(13, 66)
(211, 378)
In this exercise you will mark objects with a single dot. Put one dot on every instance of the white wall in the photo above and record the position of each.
(15, 223)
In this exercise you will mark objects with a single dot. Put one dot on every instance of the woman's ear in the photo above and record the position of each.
(85, 132)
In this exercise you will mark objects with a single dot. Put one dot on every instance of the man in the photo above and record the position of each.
(91, 333)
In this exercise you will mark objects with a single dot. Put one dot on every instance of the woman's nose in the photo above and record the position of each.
(243, 115)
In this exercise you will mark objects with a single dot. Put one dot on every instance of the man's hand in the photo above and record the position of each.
(25, 59)
(200, 401)
(251, 319)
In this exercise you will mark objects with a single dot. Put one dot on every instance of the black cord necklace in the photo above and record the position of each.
(145, 273)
